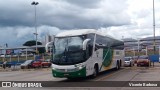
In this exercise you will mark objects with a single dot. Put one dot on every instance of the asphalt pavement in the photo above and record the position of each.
(125, 74)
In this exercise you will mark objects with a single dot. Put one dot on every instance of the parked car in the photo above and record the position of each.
(46, 63)
(31, 54)
(2, 55)
(14, 55)
(26, 64)
(143, 61)
(135, 58)
(36, 64)
(129, 61)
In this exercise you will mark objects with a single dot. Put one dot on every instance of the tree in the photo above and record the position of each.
(33, 43)
(41, 50)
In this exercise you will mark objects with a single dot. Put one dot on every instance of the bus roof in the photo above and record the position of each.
(75, 32)
(81, 32)
(103, 40)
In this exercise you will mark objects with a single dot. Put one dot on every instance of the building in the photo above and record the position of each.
(49, 38)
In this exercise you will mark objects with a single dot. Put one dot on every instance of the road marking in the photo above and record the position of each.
(109, 75)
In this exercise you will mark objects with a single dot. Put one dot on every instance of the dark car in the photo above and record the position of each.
(143, 61)
(46, 63)
(26, 64)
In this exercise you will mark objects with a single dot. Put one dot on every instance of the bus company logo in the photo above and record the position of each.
(6, 84)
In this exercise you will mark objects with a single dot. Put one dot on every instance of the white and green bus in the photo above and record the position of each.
(81, 53)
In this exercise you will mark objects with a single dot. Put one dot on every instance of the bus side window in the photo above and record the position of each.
(117, 52)
(90, 50)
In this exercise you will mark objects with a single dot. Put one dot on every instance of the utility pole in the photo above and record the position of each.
(154, 48)
(35, 3)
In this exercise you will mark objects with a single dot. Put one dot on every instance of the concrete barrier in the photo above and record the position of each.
(15, 67)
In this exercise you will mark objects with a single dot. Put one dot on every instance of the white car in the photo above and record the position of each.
(129, 61)
(2, 55)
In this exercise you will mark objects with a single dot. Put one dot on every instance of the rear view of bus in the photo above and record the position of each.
(80, 53)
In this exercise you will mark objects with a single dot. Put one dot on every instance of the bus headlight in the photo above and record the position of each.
(53, 68)
(79, 66)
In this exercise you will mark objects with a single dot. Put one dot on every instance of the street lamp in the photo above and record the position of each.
(154, 28)
(154, 48)
(35, 3)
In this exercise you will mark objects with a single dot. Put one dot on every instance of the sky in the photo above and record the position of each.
(117, 18)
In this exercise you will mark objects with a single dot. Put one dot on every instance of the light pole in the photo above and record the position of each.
(154, 48)
(35, 3)
(153, 28)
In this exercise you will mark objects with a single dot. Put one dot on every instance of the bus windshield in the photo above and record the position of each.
(68, 50)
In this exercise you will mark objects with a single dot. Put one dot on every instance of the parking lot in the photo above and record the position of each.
(124, 74)
(129, 73)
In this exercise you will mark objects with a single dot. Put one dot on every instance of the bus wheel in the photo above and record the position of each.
(117, 66)
(95, 72)
(120, 64)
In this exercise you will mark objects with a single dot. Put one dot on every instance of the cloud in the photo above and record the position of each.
(16, 36)
(130, 31)
(128, 18)
(15, 13)
(65, 14)
(85, 3)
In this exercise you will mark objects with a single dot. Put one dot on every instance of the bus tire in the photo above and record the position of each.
(120, 63)
(117, 66)
(95, 72)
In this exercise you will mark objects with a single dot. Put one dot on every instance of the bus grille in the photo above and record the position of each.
(66, 70)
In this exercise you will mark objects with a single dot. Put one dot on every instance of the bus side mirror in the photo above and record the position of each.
(49, 44)
(85, 43)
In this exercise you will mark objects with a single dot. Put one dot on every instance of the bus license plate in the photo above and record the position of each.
(66, 74)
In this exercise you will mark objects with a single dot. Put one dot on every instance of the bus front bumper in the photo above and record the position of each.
(73, 74)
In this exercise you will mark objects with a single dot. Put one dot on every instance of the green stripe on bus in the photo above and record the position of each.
(107, 59)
